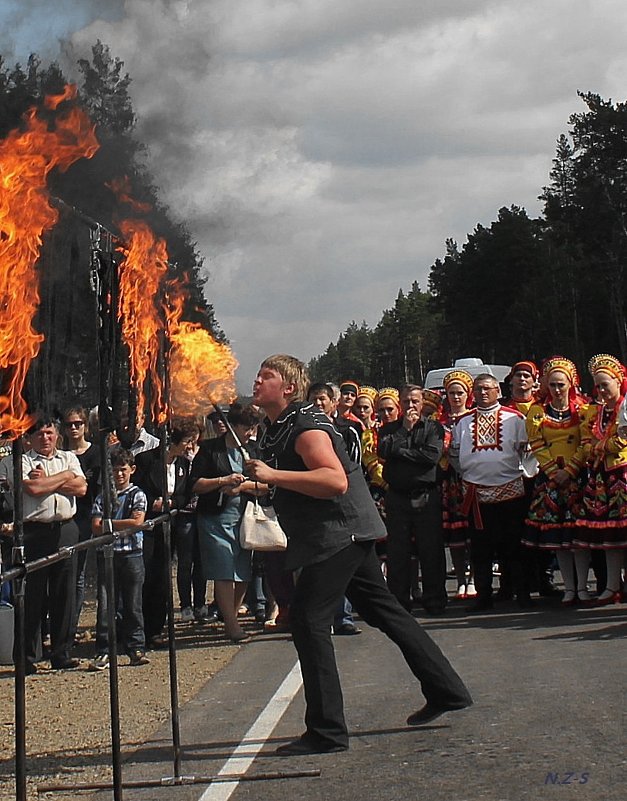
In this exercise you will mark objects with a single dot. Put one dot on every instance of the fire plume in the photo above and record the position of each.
(202, 370)
(142, 271)
(27, 155)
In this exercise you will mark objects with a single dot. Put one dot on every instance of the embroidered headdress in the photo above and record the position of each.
(459, 377)
(370, 393)
(604, 363)
(564, 365)
(431, 401)
(390, 392)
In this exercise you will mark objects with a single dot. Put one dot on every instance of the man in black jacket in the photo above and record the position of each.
(412, 448)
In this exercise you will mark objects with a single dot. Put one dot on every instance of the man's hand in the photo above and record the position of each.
(260, 471)
(410, 418)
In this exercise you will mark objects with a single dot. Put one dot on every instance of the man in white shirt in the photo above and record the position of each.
(52, 479)
(487, 449)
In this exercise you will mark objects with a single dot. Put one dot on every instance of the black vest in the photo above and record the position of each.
(317, 528)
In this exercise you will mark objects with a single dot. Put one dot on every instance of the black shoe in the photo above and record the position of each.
(430, 712)
(346, 629)
(304, 745)
(482, 605)
(30, 669)
(65, 664)
(137, 658)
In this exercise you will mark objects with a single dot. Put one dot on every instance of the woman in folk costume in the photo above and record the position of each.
(431, 404)
(457, 401)
(603, 523)
(365, 407)
(554, 431)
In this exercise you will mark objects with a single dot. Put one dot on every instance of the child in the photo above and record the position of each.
(128, 564)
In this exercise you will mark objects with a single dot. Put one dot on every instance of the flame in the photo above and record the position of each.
(202, 370)
(142, 271)
(27, 155)
(121, 188)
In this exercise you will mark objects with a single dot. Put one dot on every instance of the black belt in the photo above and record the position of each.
(51, 525)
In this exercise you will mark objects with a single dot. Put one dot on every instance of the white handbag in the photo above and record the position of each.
(259, 529)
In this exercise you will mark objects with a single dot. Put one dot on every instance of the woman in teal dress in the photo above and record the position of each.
(218, 478)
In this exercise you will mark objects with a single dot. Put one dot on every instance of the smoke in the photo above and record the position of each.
(321, 152)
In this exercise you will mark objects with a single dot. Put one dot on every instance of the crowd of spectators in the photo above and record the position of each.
(517, 482)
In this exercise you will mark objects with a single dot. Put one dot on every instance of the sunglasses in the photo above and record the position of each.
(74, 423)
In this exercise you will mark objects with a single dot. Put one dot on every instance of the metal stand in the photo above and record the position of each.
(19, 650)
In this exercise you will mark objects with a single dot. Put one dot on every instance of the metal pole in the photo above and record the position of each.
(112, 639)
(180, 781)
(19, 646)
(167, 545)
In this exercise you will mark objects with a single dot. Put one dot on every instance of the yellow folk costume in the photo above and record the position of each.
(603, 522)
(555, 441)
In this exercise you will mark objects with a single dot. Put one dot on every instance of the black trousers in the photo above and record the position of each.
(54, 585)
(500, 540)
(356, 573)
(156, 588)
(419, 532)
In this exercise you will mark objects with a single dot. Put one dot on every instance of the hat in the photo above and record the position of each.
(390, 392)
(564, 365)
(370, 393)
(604, 363)
(459, 377)
(526, 364)
(350, 385)
(431, 399)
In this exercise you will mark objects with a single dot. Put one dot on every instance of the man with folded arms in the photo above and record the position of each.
(52, 480)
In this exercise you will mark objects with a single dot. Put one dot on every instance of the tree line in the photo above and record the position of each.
(522, 287)
(66, 365)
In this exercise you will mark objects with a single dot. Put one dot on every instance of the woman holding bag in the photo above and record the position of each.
(217, 477)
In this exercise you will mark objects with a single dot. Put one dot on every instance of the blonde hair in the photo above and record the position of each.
(292, 371)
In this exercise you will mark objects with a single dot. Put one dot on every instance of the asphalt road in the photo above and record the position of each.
(549, 720)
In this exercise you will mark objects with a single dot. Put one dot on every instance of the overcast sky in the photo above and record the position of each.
(321, 151)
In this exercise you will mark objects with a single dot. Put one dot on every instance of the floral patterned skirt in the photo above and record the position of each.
(454, 523)
(603, 521)
(553, 512)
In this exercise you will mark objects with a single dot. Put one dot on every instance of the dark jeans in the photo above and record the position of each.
(155, 594)
(54, 585)
(189, 573)
(128, 573)
(356, 573)
(82, 518)
(416, 532)
(499, 540)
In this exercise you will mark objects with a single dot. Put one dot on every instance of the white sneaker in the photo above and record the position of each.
(471, 592)
(187, 614)
(101, 662)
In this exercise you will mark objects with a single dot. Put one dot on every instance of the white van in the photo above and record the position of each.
(474, 366)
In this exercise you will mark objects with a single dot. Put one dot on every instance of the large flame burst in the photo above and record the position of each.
(142, 273)
(202, 370)
(26, 158)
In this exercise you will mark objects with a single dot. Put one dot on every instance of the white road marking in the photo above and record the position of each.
(254, 739)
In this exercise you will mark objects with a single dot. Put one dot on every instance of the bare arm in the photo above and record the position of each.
(136, 519)
(38, 483)
(324, 477)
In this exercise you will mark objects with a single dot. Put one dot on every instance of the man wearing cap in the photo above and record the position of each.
(522, 380)
(411, 449)
(349, 390)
